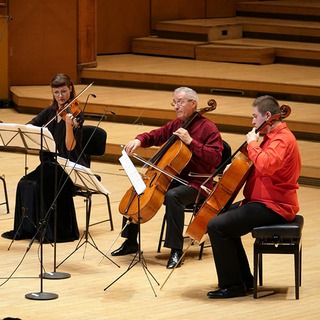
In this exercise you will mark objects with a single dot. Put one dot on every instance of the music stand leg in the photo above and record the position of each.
(25, 210)
(138, 258)
(6, 202)
(41, 295)
(84, 240)
(55, 275)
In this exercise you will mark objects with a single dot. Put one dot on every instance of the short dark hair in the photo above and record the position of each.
(266, 103)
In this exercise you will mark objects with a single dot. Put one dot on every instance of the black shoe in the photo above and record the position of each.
(125, 248)
(10, 235)
(174, 258)
(231, 292)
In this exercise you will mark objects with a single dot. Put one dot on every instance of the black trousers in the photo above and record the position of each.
(225, 233)
(176, 199)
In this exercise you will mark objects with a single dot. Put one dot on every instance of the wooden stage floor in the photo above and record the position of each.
(184, 295)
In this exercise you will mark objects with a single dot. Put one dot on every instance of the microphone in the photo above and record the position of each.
(88, 96)
(112, 112)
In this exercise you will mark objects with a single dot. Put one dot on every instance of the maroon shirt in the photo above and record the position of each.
(206, 147)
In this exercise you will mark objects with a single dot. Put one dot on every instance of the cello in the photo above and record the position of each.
(164, 166)
(227, 188)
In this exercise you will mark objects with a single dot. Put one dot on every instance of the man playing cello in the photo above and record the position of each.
(270, 197)
(204, 141)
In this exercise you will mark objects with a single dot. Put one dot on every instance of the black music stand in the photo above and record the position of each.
(83, 178)
(25, 138)
(28, 137)
(139, 187)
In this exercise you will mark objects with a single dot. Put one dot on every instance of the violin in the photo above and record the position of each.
(172, 157)
(71, 108)
(231, 182)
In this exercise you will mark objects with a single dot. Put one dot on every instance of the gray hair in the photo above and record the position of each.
(190, 93)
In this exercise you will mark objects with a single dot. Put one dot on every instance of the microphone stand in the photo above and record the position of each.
(5, 27)
(54, 274)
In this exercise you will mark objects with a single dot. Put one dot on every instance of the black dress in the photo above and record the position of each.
(28, 215)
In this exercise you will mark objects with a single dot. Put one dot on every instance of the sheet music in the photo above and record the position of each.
(132, 173)
(82, 176)
(26, 137)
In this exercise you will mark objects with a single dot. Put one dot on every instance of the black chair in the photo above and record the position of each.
(6, 202)
(193, 208)
(278, 239)
(94, 144)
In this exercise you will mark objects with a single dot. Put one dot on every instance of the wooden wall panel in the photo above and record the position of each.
(42, 40)
(176, 9)
(87, 42)
(221, 8)
(4, 82)
(120, 21)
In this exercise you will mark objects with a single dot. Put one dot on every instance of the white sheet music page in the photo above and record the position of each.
(132, 173)
(26, 136)
(82, 176)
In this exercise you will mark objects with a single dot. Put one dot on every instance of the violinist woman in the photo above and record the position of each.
(66, 130)
(204, 141)
(270, 197)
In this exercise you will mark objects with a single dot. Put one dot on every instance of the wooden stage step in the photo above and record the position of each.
(153, 107)
(219, 28)
(236, 53)
(119, 134)
(306, 9)
(165, 73)
(203, 50)
(200, 29)
(165, 47)
(304, 31)
(284, 50)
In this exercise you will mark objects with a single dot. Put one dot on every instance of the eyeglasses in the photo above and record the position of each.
(180, 102)
(58, 93)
